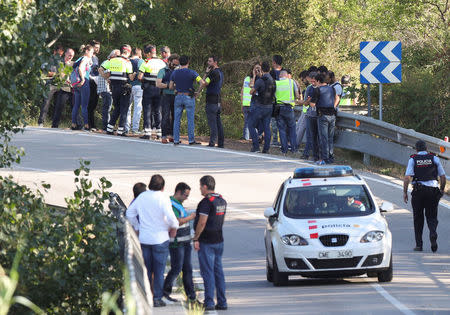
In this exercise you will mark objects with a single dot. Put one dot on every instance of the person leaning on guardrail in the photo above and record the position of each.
(156, 223)
(424, 169)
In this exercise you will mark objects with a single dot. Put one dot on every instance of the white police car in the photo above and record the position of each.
(325, 223)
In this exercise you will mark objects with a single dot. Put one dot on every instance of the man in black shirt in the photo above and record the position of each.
(213, 80)
(208, 241)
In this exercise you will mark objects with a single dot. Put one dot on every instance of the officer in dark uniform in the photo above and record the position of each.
(424, 169)
(208, 241)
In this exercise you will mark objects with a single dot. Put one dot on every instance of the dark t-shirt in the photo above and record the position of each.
(214, 86)
(260, 87)
(211, 234)
(184, 79)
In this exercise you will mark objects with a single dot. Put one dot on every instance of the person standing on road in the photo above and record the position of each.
(136, 93)
(94, 74)
(277, 61)
(424, 169)
(208, 241)
(151, 102)
(213, 80)
(167, 98)
(121, 71)
(180, 246)
(286, 94)
(264, 89)
(182, 81)
(165, 54)
(246, 98)
(156, 223)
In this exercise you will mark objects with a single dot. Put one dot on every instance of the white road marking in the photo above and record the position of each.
(402, 308)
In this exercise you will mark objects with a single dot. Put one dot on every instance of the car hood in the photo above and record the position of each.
(352, 226)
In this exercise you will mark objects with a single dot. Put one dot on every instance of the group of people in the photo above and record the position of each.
(272, 100)
(274, 105)
(159, 89)
(163, 226)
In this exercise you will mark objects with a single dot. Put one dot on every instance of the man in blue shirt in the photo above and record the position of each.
(93, 96)
(424, 169)
(182, 80)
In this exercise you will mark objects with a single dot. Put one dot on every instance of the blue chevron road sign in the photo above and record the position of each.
(380, 62)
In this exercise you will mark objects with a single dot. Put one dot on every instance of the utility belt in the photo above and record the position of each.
(421, 187)
(329, 111)
(191, 93)
(123, 85)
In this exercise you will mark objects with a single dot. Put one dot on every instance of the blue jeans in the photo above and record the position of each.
(81, 99)
(184, 102)
(326, 125)
(155, 257)
(180, 260)
(311, 137)
(258, 114)
(273, 124)
(106, 108)
(136, 99)
(210, 260)
(286, 128)
(246, 132)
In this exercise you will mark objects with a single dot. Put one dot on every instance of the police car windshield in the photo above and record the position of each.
(327, 201)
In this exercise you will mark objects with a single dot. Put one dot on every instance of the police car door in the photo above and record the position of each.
(272, 223)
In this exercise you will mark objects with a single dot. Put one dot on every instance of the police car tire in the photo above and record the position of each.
(269, 271)
(279, 278)
(386, 275)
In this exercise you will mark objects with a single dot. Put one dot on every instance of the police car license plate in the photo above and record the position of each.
(333, 254)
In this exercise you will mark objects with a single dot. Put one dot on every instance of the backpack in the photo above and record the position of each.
(74, 77)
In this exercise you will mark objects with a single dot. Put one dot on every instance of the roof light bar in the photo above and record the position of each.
(327, 171)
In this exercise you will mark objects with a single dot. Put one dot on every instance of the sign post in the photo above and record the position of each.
(380, 63)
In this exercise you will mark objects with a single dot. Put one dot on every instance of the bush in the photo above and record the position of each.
(69, 256)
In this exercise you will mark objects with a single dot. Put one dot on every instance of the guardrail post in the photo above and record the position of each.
(368, 101)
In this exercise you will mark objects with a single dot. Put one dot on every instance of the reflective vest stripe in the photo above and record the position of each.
(246, 96)
(285, 92)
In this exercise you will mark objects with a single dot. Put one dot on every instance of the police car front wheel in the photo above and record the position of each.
(279, 278)
(386, 275)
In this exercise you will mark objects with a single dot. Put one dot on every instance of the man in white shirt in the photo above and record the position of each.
(156, 223)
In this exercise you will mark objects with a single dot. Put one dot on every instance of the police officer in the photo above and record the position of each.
(120, 71)
(208, 241)
(148, 72)
(285, 95)
(424, 169)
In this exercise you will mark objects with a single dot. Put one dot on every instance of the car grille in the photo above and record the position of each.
(335, 263)
(334, 240)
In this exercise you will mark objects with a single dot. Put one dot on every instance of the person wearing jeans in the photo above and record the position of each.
(182, 80)
(213, 80)
(136, 93)
(326, 125)
(208, 241)
(180, 247)
(260, 115)
(155, 224)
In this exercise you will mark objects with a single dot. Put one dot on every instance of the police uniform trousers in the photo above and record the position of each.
(151, 106)
(425, 198)
(121, 101)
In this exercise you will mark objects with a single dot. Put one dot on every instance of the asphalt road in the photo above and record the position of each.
(249, 183)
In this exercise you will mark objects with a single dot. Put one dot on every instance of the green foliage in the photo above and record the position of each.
(69, 257)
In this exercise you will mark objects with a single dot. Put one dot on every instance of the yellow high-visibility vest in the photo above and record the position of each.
(119, 67)
(246, 96)
(285, 92)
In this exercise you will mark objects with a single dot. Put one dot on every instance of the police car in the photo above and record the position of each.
(325, 223)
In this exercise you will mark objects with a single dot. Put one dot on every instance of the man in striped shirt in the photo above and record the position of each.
(180, 246)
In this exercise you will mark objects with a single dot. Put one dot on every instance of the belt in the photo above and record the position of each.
(184, 93)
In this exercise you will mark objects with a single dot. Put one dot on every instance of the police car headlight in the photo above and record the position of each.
(293, 240)
(372, 236)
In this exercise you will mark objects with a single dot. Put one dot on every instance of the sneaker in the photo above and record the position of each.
(265, 151)
(255, 150)
(164, 141)
(194, 143)
(176, 143)
(41, 125)
(221, 308)
(145, 137)
(93, 129)
(209, 308)
(211, 145)
(159, 303)
(170, 139)
(168, 300)
(418, 248)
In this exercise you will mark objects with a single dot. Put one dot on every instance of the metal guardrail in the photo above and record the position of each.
(385, 140)
(131, 254)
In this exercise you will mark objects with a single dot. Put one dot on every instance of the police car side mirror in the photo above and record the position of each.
(269, 212)
(386, 206)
